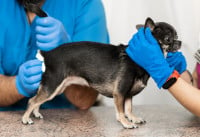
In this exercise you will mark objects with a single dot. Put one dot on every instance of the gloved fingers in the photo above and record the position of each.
(47, 46)
(172, 60)
(132, 42)
(149, 36)
(32, 88)
(47, 38)
(32, 79)
(31, 68)
(35, 70)
(176, 57)
(34, 62)
(46, 22)
(140, 36)
(44, 30)
(25, 71)
(173, 54)
(170, 54)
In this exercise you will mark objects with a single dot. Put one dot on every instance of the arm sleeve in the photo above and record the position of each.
(1, 69)
(1, 50)
(90, 24)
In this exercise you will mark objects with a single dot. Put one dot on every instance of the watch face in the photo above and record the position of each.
(169, 83)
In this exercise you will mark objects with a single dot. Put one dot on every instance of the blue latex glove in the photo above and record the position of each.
(177, 60)
(145, 51)
(50, 33)
(29, 77)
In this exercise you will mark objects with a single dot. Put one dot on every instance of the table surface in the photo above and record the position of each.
(162, 121)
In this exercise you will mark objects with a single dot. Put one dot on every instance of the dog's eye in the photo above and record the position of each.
(167, 39)
(157, 30)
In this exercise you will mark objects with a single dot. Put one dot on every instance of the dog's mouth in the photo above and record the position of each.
(173, 46)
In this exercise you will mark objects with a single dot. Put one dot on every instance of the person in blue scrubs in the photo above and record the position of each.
(23, 33)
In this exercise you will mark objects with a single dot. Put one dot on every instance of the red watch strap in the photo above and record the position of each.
(175, 74)
(171, 80)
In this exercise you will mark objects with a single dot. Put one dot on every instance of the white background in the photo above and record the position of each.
(122, 17)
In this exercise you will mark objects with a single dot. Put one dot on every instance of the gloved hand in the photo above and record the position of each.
(145, 51)
(177, 60)
(29, 77)
(50, 33)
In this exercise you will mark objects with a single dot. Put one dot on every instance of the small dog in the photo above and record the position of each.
(105, 67)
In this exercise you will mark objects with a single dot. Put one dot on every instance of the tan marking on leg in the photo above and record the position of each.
(129, 113)
(119, 107)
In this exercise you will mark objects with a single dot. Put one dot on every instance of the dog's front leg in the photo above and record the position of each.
(129, 113)
(120, 115)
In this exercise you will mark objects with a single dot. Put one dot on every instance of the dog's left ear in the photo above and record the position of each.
(149, 23)
(139, 26)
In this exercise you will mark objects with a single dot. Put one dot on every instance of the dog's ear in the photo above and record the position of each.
(138, 26)
(149, 23)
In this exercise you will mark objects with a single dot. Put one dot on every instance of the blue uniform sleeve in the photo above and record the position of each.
(1, 49)
(90, 22)
(1, 69)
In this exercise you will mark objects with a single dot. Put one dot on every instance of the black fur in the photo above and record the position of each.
(96, 62)
(100, 64)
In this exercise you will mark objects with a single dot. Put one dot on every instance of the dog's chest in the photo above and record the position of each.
(137, 87)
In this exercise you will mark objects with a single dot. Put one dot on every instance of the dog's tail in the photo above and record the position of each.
(33, 6)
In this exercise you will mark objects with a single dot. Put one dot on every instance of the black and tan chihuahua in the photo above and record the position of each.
(105, 67)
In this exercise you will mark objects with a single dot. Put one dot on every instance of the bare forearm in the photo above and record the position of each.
(187, 95)
(81, 97)
(8, 91)
(187, 76)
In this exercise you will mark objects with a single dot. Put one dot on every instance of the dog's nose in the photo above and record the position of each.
(177, 45)
(177, 42)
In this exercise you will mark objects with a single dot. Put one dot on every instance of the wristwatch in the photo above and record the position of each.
(171, 80)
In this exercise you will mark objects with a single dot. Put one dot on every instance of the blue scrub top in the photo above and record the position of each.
(84, 20)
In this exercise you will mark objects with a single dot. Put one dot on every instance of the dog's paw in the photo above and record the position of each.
(130, 126)
(126, 123)
(137, 120)
(26, 121)
(37, 115)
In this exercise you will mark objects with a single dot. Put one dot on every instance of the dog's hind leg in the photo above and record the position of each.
(36, 112)
(43, 96)
(129, 113)
(33, 105)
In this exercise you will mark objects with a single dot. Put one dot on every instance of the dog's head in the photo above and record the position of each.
(165, 34)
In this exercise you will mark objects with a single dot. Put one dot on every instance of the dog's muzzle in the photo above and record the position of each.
(175, 46)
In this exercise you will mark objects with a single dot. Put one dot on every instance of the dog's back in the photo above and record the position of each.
(101, 65)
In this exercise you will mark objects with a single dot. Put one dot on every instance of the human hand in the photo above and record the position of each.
(29, 77)
(50, 33)
(145, 51)
(177, 60)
